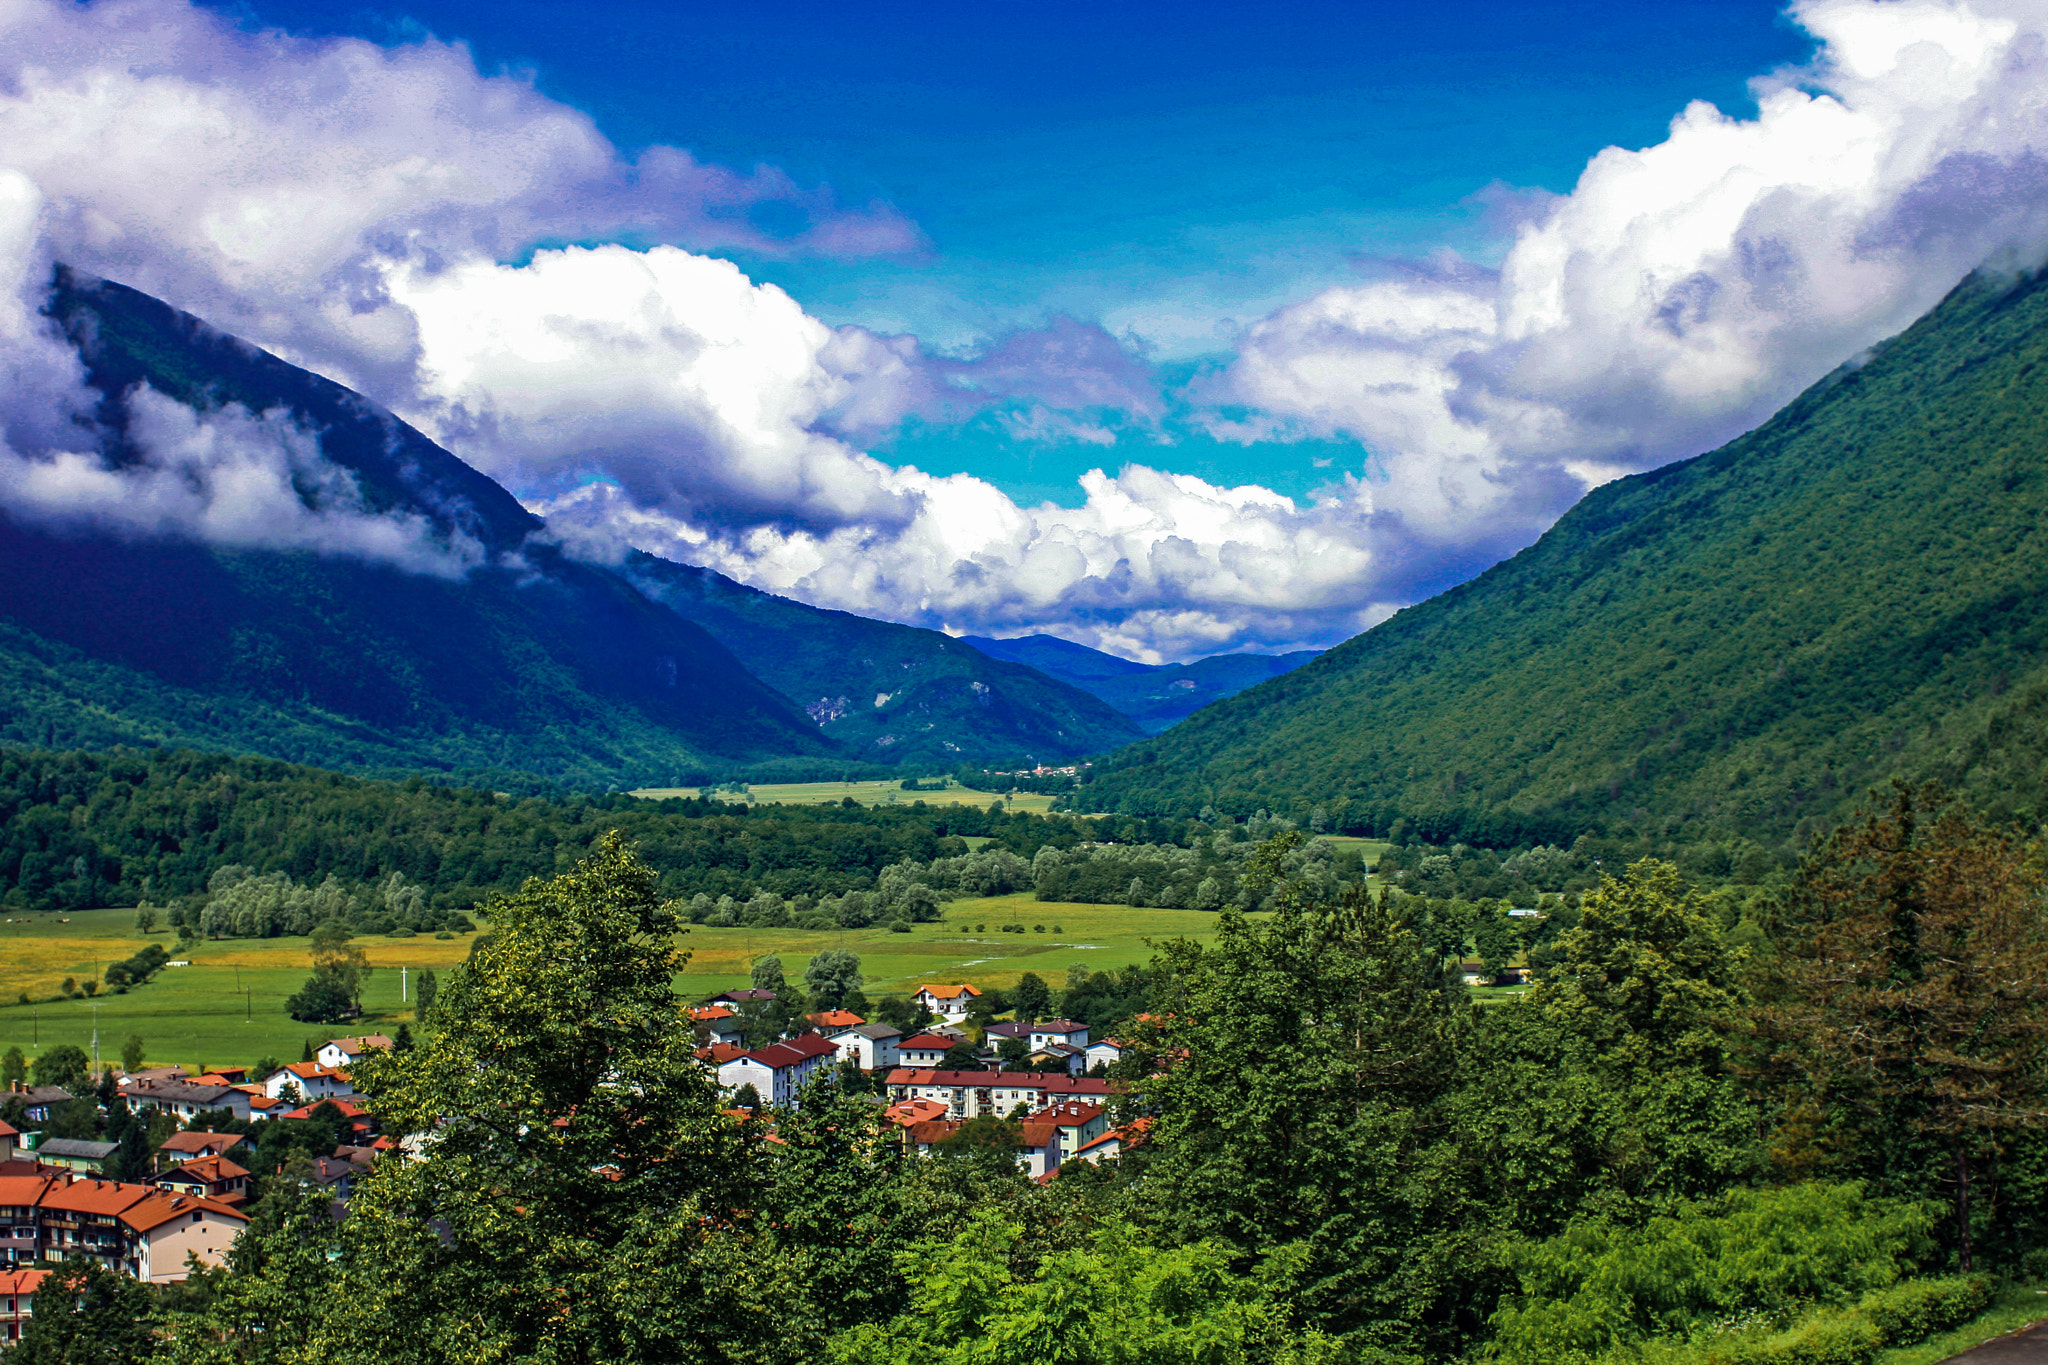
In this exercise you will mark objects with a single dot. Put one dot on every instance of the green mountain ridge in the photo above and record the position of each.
(534, 663)
(891, 693)
(1156, 696)
(1745, 641)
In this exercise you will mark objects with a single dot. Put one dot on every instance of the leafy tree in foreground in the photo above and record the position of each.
(1909, 1000)
(1120, 1300)
(1300, 1061)
(576, 1155)
(86, 1315)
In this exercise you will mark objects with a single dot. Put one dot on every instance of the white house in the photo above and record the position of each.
(186, 1098)
(926, 1049)
(1046, 1032)
(948, 1002)
(1058, 1132)
(872, 1047)
(313, 1080)
(780, 1070)
(341, 1052)
(1108, 1052)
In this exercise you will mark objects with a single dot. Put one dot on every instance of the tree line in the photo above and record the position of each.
(124, 826)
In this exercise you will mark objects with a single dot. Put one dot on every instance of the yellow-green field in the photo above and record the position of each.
(867, 793)
(227, 1008)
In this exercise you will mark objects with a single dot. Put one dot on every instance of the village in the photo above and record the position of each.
(63, 1199)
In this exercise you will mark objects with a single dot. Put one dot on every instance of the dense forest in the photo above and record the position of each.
(1672, 1151)
(1737, 644)
(121, 826)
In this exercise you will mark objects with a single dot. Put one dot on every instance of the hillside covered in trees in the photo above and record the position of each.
(1744, 642)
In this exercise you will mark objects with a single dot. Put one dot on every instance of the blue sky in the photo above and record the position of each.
(1169, 171)
(1167, 330)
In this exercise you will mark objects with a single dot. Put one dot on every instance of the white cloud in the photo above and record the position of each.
(1683, 292)
(373, 213)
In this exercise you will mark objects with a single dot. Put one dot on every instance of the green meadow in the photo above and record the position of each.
(227, 1007)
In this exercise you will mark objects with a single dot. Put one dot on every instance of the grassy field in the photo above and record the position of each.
(888, 793)
(227, 1008)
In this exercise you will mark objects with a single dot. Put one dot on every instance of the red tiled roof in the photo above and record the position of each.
(96, 1196)
(200, 1142)
(206, 1170)
(7, 1131)
(711, 1014)
(933, 1130)
(721, 1053)
(161, 1208)
(838, 1019)
(21, 1282)
(24, 1190)
(794, 1052)
(349, 1109)
(932, 1040)
(947, 992)
(1050, 1082)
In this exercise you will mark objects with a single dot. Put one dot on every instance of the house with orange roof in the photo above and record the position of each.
(360, 1123)
(720, 1024)
(215, 1177)
(926, 1049)
(179, 1147)
(920, 1137)
(948, 1002)
(904, 1113)
(312, 1080)
(17, 1299)
(170, 1228)
(10, 1141)
(1058, 1132)
(829, 1022)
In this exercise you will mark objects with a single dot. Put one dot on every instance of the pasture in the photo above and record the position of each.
(879, 793)
(227, 1007)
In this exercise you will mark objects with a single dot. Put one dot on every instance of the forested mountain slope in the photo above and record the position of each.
(531, 663)
(1742, 641)
(1156, 696)
(892, 693)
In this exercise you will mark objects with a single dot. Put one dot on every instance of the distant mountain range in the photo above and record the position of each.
(891, 693)
(1155, 696)
(531, 663)
(1742, 642)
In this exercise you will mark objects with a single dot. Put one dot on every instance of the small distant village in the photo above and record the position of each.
(63, 1199)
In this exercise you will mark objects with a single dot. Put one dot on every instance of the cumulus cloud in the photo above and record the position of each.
(1682, 292)
(376, 212)
(265, 181)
